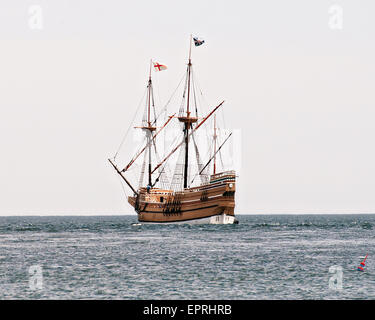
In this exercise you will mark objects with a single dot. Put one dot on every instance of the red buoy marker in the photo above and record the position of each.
(362, 264)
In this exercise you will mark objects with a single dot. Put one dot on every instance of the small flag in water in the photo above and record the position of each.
(198, 42)
(159, 67)
(362, 264)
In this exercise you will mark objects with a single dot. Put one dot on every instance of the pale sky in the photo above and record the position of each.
(298, 84)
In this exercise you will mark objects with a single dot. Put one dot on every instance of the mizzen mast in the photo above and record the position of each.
(215, 137)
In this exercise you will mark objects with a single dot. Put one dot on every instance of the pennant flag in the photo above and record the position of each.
(198, 42)
(159, 67)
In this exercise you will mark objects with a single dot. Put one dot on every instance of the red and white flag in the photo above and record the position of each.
(159, 67)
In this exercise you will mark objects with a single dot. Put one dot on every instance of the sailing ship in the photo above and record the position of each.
(163, 198)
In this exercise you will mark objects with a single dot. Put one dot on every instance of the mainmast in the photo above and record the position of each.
(187, 120)
(149, 126)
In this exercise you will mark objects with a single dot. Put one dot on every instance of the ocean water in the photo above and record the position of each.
(263, 257)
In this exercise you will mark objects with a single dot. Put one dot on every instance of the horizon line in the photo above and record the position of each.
(135, 215)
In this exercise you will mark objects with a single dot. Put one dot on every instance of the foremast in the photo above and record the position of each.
(149, 127)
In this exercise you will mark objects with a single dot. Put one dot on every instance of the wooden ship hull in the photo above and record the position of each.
(211, 203)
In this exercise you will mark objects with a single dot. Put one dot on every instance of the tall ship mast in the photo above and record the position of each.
(174, 198)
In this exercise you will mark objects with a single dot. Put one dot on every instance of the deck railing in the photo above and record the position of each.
(230, 173)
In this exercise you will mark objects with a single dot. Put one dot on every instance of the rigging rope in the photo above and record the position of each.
(164, 179)
(123, 189)
(182, 106)
(204, 175)
(153, 103)
(141, 177)
(156, 118)
(127, 131)
(178, 175)
(194, 94)
(166, 105)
